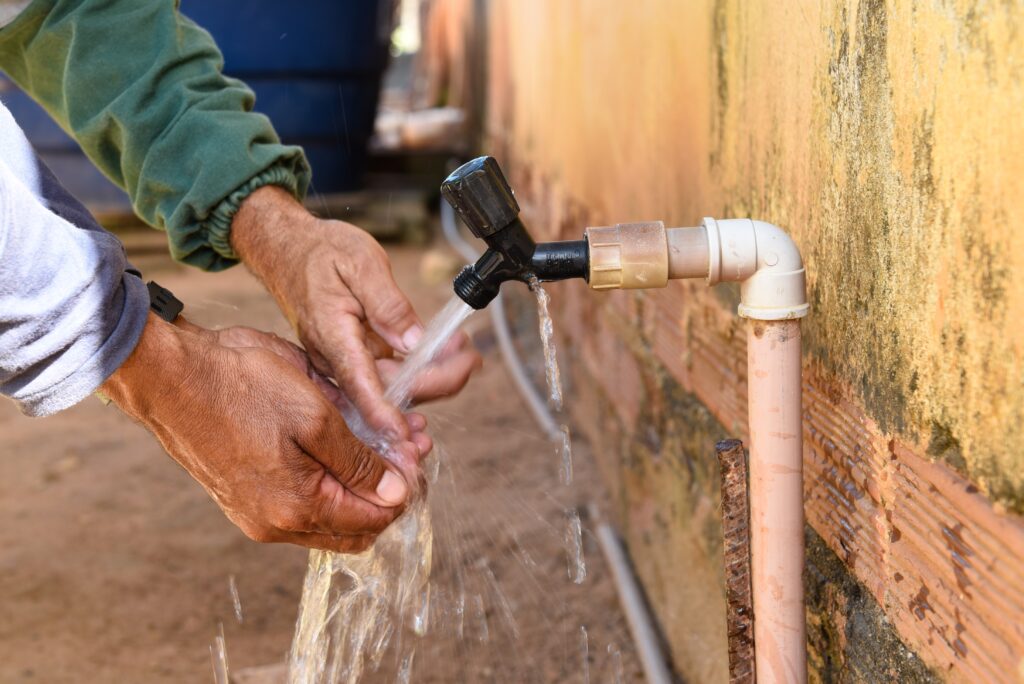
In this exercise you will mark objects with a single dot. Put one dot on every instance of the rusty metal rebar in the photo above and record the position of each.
(732, 461)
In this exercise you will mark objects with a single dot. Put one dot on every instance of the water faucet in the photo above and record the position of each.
(624, 256)
(481, 196)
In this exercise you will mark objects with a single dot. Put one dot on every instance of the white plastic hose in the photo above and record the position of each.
(645, 636)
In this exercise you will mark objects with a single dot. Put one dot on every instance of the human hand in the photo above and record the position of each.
(333, 281)
(425, 384)
(268, 446)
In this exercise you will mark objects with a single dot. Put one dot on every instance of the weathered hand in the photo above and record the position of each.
(267, 445)
(334, 283)
(241, 337)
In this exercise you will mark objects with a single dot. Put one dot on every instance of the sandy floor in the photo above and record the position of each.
(114, 565)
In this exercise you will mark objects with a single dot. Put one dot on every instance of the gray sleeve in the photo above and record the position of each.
(71, 309)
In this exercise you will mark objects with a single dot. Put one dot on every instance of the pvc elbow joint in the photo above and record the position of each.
(765, 260)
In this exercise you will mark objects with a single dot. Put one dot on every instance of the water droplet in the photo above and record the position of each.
(565, 451)
(233, 588)
(219, 656)
(481, 614)
(574, 546)
(584, 654)
(615, 663)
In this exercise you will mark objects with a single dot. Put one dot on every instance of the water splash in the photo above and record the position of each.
(503, 602)
(235, 600)
(547, 338)
(574, 546)
(354, 606)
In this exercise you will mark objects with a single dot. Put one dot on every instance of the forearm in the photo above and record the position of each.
(268, 227)
(161, 347)
(140, 88)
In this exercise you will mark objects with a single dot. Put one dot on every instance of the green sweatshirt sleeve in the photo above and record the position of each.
(139, 86)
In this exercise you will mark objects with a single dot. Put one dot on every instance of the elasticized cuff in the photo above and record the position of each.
(218, 225)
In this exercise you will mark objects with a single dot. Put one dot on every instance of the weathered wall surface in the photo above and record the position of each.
(887, 137)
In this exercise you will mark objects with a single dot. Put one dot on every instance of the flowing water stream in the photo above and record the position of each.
(547, 338)
(573, 529)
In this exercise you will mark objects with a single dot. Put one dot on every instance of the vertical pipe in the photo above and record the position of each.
(776, 499)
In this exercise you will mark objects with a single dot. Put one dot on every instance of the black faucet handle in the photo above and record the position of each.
(479, 193)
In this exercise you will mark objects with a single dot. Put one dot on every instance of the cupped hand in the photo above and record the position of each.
(334, 283)
(269, 447)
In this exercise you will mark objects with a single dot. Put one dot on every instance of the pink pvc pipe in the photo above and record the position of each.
(776, 500)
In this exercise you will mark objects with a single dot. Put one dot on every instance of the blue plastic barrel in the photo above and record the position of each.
(315, 66)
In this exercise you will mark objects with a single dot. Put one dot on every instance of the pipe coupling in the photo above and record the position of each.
(628, 256)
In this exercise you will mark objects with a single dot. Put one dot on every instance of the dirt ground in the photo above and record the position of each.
(115, 566)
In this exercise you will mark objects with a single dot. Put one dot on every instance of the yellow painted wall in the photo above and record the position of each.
(887, 137)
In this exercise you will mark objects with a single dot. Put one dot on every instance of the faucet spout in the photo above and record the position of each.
(483, 199)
